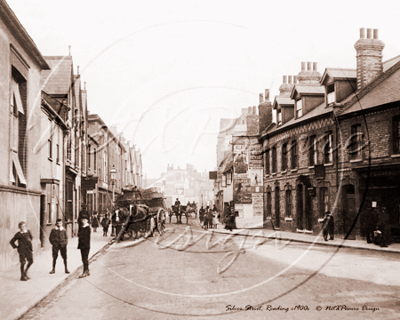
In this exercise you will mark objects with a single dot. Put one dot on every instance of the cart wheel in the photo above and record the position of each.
(161, 221)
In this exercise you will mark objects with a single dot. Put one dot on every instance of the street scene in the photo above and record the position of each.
(199, 160)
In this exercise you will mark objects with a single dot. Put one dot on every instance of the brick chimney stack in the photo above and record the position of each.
(309, 75)
(369, 57)
(265, 113)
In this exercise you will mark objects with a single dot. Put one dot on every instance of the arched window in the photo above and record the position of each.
(396, 135)
(284, 156)
(274, 159)
(294, 153)
(288, 203)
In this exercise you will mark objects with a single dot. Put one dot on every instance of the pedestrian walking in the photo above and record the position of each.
(201, 216)
(84, 245)
(105, 224)
(59, 240)
(328, 226)
(210, 218)
(24, 247)
(95, 222)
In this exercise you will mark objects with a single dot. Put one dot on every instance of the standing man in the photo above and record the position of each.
(84, 245)
(59, 240)
(83, 212)
(328, 226)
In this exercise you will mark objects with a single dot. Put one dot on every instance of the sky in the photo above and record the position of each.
(166, 72)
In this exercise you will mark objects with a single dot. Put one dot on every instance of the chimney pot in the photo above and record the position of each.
(362, 33)
(376, 34)
(315, 66)
(261, 97)
(284, 79)
(254, 110)
(369, 33)
(294, 79)
(249, 110)
(290, 79)
(303, 66)
(266, 95)
(309, 66)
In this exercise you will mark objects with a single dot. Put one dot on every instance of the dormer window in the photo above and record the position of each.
(299, 108)
(279, 117)
(331, 95)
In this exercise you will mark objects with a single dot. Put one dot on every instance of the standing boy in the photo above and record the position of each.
(24, 248)
(59, 240)
(84, 244)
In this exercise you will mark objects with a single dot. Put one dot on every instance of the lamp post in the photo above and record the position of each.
(113, 172)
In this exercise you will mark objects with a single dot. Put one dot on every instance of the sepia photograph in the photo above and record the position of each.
(206, 159)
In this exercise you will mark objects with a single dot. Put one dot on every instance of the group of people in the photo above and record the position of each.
(209, 218)
(22, 241)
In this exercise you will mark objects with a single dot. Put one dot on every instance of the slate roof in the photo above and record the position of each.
(382, 90)
(283, 101)
(304, 89)
(59, 79)
(339, 74)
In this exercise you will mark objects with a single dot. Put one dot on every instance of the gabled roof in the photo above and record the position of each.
(282, 101)
(339, 74)
(303, 89)
(59, 78)
(21, 35)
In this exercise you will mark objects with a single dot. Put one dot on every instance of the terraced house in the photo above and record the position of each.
(335, 146)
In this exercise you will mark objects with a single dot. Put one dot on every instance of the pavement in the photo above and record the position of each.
(316, 239)
(17, 297)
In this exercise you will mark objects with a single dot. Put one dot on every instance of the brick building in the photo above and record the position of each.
(334, 146)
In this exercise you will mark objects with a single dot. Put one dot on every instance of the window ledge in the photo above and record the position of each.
(395, 156)
(356, 160)
(320, 220)
(273, 174)
(311, 167)
(328, 164)
(284, 172)
(288, 219)
(50, 159)
(293, 170)
(266, 176)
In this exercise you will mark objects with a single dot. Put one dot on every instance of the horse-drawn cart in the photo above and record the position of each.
(142, 212)
(178, 211)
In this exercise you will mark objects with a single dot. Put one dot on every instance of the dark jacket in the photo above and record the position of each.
(84, 238)
(24, 241)
(95, 222)
(58, 238)
(105, 223)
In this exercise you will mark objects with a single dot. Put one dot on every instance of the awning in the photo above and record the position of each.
(228, 166)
